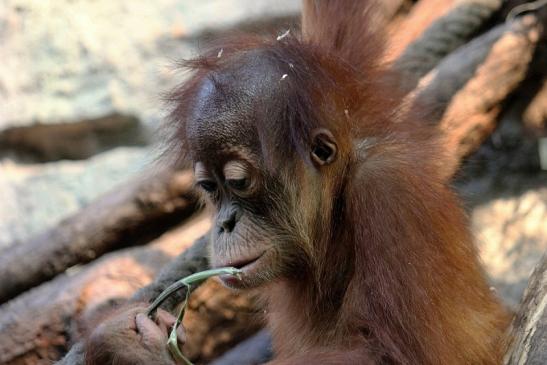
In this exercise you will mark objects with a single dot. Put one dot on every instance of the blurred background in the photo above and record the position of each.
(81, 86)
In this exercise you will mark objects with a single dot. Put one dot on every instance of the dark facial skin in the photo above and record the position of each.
(262, 213)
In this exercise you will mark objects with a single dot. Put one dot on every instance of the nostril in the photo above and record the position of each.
(229, 223)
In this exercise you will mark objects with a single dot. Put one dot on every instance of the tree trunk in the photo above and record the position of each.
(529, 327)
(37, 326)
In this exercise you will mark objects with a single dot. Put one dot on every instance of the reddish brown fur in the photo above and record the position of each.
(417, 293)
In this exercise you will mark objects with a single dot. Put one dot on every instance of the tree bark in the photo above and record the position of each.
(529, 327)
(465, 92)
(37, 326)
(420, 17)
(441, 37)
(535, 115)
(131, 214)
(473, 111)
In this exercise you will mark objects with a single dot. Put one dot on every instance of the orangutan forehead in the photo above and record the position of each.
(231, 105)
(223, 131)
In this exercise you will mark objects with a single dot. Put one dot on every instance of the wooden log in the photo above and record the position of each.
(81, 139)
(422, 14)
(216, 320)
(529, 327)
(441, 37)
(464, 94)
(535, 115)
(131, 214)
(435, 90)
(473, 111)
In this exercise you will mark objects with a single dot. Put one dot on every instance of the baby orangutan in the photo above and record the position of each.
(329, 195)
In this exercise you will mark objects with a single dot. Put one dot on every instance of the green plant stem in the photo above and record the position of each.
(195, 278)
(187, 282)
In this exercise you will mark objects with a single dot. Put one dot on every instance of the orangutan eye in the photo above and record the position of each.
(208, 185)
(238, 184)
(237, 175)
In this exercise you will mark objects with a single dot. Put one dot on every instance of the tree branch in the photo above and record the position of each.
(132, 214)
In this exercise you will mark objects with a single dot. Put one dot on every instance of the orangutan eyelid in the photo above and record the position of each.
(236, 170)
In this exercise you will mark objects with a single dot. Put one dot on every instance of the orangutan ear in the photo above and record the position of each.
(323, 147)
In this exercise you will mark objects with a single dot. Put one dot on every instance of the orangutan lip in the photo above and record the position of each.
(243, 263)
(247, 267)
